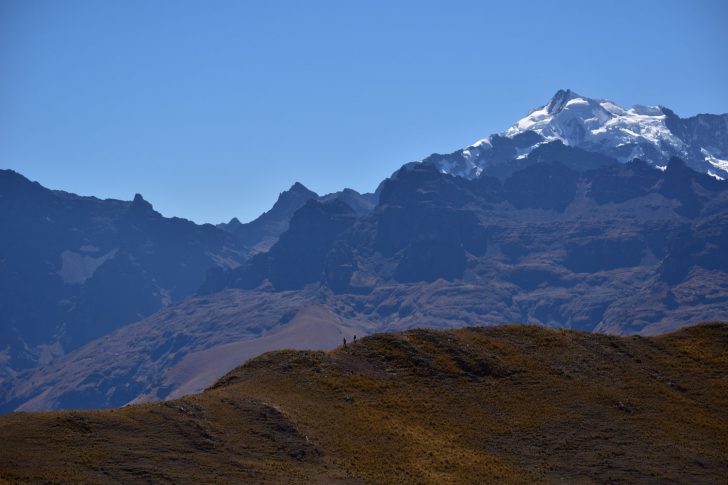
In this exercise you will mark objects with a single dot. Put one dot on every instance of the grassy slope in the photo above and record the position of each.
(511, 403)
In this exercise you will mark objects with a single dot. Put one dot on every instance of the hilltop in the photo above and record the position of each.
(517, 404)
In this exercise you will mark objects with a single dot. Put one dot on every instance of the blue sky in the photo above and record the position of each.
(211, 108)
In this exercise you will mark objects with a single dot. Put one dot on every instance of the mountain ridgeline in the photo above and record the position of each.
(74, 268)
(583, 215)
(545, 230)
(260, 234)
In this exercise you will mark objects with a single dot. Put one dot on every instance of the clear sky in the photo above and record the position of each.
(211, 108)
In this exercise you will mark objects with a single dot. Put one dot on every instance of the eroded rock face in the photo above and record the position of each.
(548, 244)
(297, 259)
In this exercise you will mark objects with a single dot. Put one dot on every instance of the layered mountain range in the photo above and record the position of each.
(582, 215)
(75, 268)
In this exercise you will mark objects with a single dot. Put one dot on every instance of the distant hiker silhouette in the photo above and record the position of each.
(354, 338)
(344, 342)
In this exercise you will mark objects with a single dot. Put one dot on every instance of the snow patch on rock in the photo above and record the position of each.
(76, 268)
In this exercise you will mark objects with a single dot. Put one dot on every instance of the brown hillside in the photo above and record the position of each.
(518, 404)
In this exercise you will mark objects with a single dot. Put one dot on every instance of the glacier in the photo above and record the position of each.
(654, 134)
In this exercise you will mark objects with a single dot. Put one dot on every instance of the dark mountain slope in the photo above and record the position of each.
(261, 233)
(361, 203)
(74, 268)
(512, 404)
(574, 158)
(297, 258)
(546, 227)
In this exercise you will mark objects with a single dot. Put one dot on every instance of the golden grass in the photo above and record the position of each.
(511, 404)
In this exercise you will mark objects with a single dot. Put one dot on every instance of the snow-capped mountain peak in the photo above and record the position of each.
(652, 133)
(584, 122)
(560, 99)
